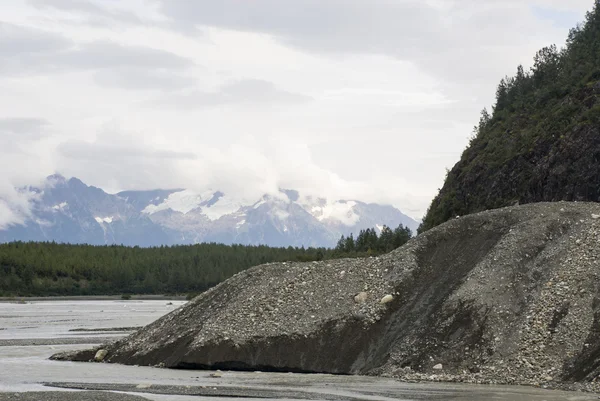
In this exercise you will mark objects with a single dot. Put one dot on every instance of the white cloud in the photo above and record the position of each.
(22, 127)
(93, 13)
(341, 98)
(15, 205)
(247, 92)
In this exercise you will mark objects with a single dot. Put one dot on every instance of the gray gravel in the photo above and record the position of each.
(509, 296)
(214, 391)
(107, 329)
(54, 341)
(69, 396)
(309, 387)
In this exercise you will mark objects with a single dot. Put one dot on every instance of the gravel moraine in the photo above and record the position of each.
(509, 296)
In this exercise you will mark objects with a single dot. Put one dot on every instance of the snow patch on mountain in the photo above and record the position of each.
(259, 203)
(281, 214)
(225, 205)
(71, 211)
(182, 201)
(341, 211)
(211, 204)
(60, 206)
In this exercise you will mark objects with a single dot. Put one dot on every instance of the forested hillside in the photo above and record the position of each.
(60, 269)
(541, 142)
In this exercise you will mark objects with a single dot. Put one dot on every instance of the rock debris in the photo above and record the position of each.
(508, 296)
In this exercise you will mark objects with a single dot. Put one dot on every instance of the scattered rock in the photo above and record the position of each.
(439, 366)
(361, 297)
(387, 299)
(506, 296)
(100, 355)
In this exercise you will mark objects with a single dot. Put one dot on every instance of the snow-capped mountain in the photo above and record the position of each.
(70, 211)
(67, 210)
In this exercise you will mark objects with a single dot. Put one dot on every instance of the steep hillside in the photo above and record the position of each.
(502, 296)
(542, 140)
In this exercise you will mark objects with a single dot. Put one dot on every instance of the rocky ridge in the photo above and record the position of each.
(505, 296)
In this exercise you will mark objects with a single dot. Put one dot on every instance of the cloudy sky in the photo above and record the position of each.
(367, 99)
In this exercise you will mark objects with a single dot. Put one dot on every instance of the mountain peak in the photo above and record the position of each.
(71, 211)
(76, 182)
(215, 198)
(55, 179)
(292, 194)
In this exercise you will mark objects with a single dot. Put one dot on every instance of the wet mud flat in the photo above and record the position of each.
(36, 330)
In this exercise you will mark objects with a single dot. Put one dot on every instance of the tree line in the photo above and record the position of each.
(369, 243)
(49, 268)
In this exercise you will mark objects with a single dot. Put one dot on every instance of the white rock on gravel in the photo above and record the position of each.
(361, 297)
(100, 355)
(387, 299)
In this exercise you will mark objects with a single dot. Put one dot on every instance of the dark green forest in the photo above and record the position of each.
(46, 269)
(368, 242)
(541, 141)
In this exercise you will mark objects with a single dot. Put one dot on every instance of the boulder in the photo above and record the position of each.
(100, 355)
(361, 297)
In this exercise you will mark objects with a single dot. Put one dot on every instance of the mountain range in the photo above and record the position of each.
(68, 210)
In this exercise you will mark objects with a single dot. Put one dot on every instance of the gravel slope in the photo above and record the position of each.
(504, 296)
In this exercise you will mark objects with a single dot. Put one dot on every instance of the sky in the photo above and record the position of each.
(348, 99)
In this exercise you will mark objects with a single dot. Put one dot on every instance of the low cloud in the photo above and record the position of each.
(8, 217)
(28, 51)
(142, 79)
(16, 40)
(15, 205)
(241, 92)
(21, 47)
(105, 153)
(23, 128)
(439, 37)
(347, 98)
(114, 163)
(93, 13)
(107, 54)
(247, 168)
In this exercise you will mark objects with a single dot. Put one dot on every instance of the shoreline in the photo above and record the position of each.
(27, 374)
(164, 297)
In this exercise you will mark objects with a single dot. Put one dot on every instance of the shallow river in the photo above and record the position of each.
(31, 332)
